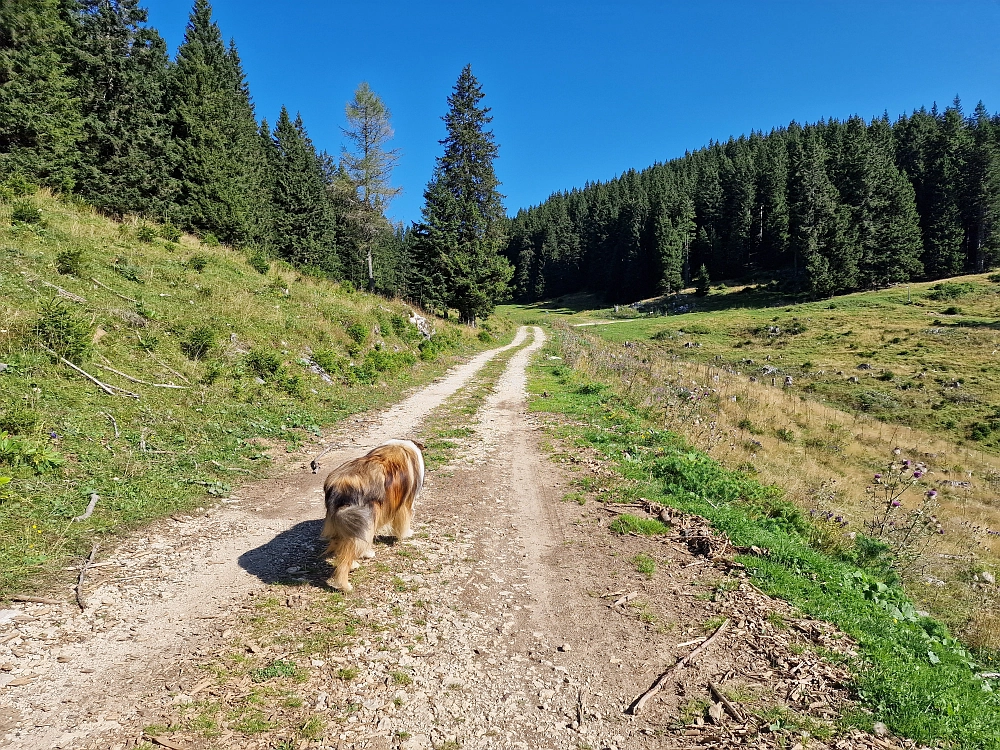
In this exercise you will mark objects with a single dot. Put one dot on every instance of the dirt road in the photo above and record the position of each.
(494, 627)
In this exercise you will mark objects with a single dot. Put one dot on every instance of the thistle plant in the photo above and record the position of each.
(905, 525)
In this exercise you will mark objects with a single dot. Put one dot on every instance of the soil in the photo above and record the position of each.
(513, 619)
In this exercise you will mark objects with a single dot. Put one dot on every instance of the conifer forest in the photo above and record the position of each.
(92, 105)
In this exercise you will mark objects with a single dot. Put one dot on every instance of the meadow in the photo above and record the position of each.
(211, 365)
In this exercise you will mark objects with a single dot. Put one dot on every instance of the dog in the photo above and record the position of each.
(366, 494)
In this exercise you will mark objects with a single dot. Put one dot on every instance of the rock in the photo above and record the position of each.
(416, 742)
(988, 577)
(565, 647)
(3, 366)
(879, 729)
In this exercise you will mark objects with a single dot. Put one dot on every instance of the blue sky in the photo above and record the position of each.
(585, 90)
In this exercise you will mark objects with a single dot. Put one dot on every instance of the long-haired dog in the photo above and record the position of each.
(363, 495)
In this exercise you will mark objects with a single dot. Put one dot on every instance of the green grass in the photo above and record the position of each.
(245, 347)
(645, 564)
(916, 343)
(910, 673)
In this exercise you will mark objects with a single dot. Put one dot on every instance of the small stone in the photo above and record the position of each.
(880, 729)
(565, 647)
(63, 659)
(988, 577)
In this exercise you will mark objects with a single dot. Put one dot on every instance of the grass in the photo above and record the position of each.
(263, 362)
(645, 564)
(910, 673)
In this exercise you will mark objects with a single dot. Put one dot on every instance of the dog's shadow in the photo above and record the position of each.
(295, 556)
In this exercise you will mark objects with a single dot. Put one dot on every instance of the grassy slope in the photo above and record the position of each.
(916, 352)
(910, 673)
(252, 393)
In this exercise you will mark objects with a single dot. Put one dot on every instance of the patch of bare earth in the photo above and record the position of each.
(513, 619)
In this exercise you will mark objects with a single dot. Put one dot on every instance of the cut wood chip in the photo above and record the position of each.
(627, 598)
(200, 686)
(19, 681)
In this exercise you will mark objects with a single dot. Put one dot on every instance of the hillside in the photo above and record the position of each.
(218, 364)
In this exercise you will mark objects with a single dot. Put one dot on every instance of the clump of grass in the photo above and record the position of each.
(198, 262)
(26, 212)
(357, 332)
(145, 233)
(627, 524)
(257, 260)
(402, 678)
(347, 673)
(265, 363)
(124, 268)
(277, 668)
(199, 342)
(645, 565)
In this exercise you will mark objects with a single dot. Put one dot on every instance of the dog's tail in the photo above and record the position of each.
(350, 530)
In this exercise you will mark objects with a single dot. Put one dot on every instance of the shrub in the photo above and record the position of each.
(210, 240)
(331, 362)
(198, 262)
(258, 261)
(952, 310)
(70, 261)
(63, 332)
(170, 233)
(357, 332)
(265, 363)
(949, 290)
(127, 271)
(199, 342)
(20, 452)
(485, 337)
(25, 212)
(16, 186)
(145, 233)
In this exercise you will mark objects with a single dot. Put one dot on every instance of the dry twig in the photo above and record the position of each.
(105, 286)
(64, 293)
(141, 382)
(94, 497)
(34, 599)
(79, 581)
(168, 368)
(639, 702)
(114, 423)
(109, 389)
(730, 708)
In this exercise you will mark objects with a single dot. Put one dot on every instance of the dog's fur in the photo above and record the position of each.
(366, 494)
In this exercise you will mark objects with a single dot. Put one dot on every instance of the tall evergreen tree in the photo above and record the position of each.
(302, 214)
(463, 227)
(119, 67)
(39, 117)
(982, 192)
(218, 158)
(943, 231)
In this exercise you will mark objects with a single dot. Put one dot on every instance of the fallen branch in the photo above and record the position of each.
(641, 701)
(34, 599)
(64, 293)
(220, 467)
(122, 296)
(730, 708)
(109, 389)
(168, 369)
(141, 382)
(114, 423)
(94, 497)
(79, 581)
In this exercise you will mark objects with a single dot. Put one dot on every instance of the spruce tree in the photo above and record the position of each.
(217, 152)
(982, 192)
(702, 282)
(39, 117)
(119, 67)
(301, 213)
(463, 227)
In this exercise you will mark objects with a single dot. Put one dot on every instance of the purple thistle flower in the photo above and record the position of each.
(896, 503)
(906, 463)
(917, 474)
(932, 493)
(877, 477)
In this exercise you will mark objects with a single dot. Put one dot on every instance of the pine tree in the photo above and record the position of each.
(119, 67)
(302, 214)
(982, 192)
(463, 227)
(39, 118)
(369, 166)
(217, 152)
(702, 282)
(943, 231)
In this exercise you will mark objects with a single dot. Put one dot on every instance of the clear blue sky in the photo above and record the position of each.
(584, 90)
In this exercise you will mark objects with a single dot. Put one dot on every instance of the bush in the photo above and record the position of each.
(170, 233)
(63, 332)
(25, 212)
(198, 261)
(127, 271)
(949, 290)
(199, 342)
(265, 363)
(210, 240)
(145, 233)
(331, 362)
(16, 186)
(258, 261)
(70, 261)
(485, 337)
(357, 332)
(952, 310)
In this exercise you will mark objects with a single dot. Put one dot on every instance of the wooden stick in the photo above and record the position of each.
(641, 701)
(94, 497)
(167, 368)
(105, 286)
(79, 581)
(63, 293)
(114, 423)
(34, 599)
(730, 708)
(103, 386)
(141, 382)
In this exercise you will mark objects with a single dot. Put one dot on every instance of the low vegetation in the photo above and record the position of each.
(209, 372)
(910, 672)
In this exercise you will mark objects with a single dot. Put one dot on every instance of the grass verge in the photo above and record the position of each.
(910, 673)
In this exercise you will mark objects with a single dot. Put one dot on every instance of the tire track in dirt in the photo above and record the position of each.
(68, 678)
